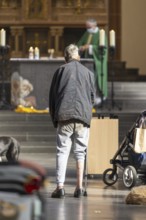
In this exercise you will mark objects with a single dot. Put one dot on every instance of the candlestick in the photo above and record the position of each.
(51, 53)
(2, 37)
(36, 53)
(112, 38)
(31, 53)
(101, 37)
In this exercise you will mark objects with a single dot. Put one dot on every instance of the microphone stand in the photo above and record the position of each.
(113, 103)
(4, 50)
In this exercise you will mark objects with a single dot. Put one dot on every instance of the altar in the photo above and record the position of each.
(31, 80)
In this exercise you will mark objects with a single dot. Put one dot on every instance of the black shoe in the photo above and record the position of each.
(78, 193)
(58, 193)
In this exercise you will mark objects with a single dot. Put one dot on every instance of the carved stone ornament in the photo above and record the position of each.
(36, 9)
(10, 4)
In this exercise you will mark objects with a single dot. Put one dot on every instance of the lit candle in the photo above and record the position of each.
(36, 53)
(101, 37)
(2, 37)
(112, 38)
(31, 53)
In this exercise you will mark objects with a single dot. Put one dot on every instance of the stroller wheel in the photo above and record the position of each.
(129, 176)
(110, 176)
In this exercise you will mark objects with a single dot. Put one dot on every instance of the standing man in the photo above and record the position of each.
(89, 48)
(71, 100)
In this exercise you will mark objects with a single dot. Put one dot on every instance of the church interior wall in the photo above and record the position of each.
(133, 43)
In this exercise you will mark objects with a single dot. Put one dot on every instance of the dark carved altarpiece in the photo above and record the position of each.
(52, 23)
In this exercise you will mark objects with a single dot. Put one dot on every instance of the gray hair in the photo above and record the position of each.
(71, 52)
(91, 21)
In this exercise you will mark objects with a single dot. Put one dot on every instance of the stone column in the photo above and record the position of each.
(56, 32)
(17, 41)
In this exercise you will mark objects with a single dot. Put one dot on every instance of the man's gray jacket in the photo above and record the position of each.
(72, 93)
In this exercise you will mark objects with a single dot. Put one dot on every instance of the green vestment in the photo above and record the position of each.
(100, 70)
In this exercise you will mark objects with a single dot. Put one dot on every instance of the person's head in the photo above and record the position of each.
(71, 52)
(91, 23)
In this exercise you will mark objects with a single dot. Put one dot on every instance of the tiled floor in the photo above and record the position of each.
(102, 202)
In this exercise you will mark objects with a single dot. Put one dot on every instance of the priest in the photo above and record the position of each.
(89, 48)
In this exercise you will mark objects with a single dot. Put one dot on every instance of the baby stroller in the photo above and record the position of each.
(132, 164)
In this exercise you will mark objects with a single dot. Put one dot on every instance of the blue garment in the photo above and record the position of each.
(136, 159)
